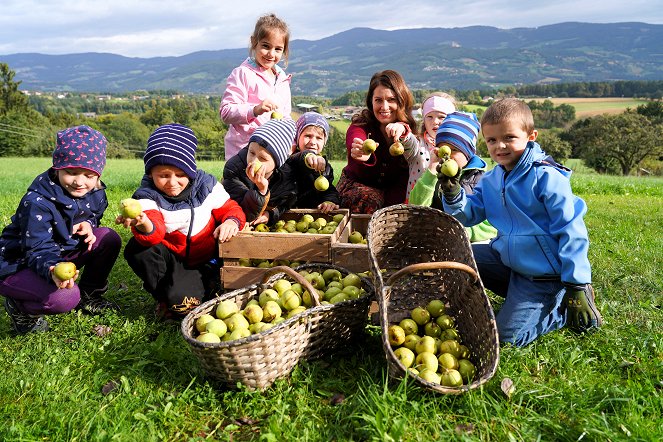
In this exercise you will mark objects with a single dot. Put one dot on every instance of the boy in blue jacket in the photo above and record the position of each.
(58, 220)
(538, 260)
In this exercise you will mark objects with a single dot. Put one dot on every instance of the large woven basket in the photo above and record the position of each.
(418, 254)
(260, 359)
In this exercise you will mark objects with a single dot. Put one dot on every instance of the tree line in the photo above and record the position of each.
(620, 144)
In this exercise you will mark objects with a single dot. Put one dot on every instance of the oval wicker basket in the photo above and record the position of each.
(424, 254)
(258, 360)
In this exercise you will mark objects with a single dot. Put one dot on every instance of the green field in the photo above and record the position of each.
(607, 386)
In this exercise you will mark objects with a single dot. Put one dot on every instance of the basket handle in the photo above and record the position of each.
(297, 277)
(412, 268)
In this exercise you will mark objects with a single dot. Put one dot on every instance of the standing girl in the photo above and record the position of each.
(258, 87)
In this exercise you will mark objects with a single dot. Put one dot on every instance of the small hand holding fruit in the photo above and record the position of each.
(369, 146)
(64, 274)
(267, 105)
(256, 173)
(315, 162)
(449, 177)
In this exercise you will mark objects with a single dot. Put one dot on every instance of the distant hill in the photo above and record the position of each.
(444, 58)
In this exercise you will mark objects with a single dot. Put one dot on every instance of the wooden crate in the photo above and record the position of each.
(353, 257)
(303, 247)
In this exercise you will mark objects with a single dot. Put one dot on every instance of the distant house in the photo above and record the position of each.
(305, 107)
(103, 97)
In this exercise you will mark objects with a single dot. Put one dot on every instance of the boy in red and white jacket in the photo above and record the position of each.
(185, 212)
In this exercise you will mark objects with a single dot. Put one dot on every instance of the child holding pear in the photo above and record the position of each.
(259, 177)
(55, 232)
(314, 174)
(538, 261)
(185, 213)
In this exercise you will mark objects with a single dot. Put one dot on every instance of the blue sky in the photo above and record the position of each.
(152, 28)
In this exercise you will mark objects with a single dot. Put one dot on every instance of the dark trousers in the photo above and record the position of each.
(38, 296)
(165, 275)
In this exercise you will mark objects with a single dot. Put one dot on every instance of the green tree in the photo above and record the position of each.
(11, 99)
(554, 146)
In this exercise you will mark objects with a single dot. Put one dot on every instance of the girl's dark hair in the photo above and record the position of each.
(394, 81)
(269, 23)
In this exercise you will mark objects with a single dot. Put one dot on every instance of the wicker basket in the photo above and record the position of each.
(259, 359)
(425, 254)
(335, 326)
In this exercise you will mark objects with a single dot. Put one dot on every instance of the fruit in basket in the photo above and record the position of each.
(451, 378)
(420, 315)
(331, 292)
(130, 208)
(426, 360)
(405, 356)
(396, 149)
(369, 146)
(396, 335)
(253, 313)
(411, 341)
(351, 279)
(466, 369)
(450, 333)
(236, 321)
(450, 346)
(297, 288)
(210, 338)
(281, 285)
(267, 295)
(307, 299)
(341, 297)
(216, 326)
(430, 376)
(425, 345)
(332, 275)
(202, 321)
(447, 360)
(321, 183)
(445, 321)
(355, 237)
(316, 280)
(64, 270)
(410, 327)
(226, 308)
(296, 311)
(435, 308)
(271, 311)
(464, 352)
(239, 333)
(432, 329)
(290, 300)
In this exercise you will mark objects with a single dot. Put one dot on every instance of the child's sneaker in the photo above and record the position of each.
(94, 303)
(23, 323)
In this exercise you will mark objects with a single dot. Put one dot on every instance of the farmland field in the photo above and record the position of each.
(140, 382)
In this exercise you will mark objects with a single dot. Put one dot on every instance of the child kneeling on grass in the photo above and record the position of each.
(259, 178)
(309, 164)
(538, 260)
(185, 212)
(58, 221)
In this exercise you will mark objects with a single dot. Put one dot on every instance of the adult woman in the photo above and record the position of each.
(374, 180)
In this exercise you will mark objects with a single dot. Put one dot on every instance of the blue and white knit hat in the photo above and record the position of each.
(277, 137)
(173, 145)
(80, 146)
(460, 130)
(311, 119)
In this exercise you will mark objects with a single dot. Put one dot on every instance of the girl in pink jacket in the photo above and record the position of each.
(257, 89)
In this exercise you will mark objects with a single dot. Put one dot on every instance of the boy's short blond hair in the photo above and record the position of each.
(509, 109)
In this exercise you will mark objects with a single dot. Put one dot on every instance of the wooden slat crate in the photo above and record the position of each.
(353, 257)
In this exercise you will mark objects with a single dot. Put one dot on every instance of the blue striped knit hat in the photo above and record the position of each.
(80, 146)
(173, 145)
(460, 130)
(277, 137)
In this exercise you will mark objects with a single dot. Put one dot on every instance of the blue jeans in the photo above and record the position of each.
(531, 308)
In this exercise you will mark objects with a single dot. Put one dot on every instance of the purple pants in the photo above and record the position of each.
(38, 296)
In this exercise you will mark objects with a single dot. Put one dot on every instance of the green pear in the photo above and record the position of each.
(447, 360)
(226, 308)
(396, 335)
(130, 208)
(466, 369)
(420, 315)
(338, 218)
(236, 321)
(435, 308)
(355, 237)
(409, 326)
(426, 360)
(210, 338)
(216, 326)
(369, 146)
(405, 356)
(202, 321)
(64, 270)
(271, 311)
(451, 378)
(321, 183)
(253, 313)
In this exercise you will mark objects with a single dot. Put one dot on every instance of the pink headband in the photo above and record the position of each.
(440, 104)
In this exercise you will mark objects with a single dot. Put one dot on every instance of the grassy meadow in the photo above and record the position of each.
(138, 380)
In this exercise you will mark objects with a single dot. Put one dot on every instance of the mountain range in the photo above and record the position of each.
(474, 57)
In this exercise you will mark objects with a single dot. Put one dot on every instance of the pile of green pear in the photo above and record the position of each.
(305, 224)
(429, 346)
(280, 300)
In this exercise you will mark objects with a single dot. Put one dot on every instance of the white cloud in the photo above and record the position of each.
(150, 28)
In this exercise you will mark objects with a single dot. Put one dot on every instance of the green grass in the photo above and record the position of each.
(607, 386)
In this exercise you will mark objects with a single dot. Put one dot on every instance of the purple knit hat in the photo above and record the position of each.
(311, 119)
(80, 146)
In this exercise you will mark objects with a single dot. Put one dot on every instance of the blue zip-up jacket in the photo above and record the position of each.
(41, 230)
(539, 221)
